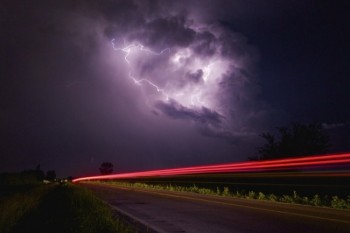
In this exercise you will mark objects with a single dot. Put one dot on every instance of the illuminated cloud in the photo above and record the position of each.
(186, 69)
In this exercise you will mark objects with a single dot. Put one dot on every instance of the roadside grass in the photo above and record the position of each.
(315, 200)
(13, 207)
(57, 208)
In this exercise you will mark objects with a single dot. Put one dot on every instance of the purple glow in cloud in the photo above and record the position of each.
(187, 69)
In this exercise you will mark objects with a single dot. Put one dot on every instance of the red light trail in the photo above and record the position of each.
(250, 166)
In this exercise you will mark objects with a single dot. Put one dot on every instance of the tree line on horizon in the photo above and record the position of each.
(28, 176)
(294, 140)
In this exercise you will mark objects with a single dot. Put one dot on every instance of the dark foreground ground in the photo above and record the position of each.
(165, 211)
(55, 208)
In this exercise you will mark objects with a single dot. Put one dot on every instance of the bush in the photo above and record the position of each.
(261, 196)
(170, 188)
(218, 192)
(251, 195)
(226, 192)
(272, 197)
(194, 189)
(337, 202)
(296, 198)
(238, 194)
(305, 200)
(287, 199)
(206, 191)
(316, 200)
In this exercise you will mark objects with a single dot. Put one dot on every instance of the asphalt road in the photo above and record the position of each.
(165, 211)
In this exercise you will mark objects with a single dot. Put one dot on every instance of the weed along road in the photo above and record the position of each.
(165, 211)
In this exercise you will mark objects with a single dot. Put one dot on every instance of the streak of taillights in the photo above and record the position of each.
(252, 166)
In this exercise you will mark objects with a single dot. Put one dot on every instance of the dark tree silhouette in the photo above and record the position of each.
(294, 140)
(106, 168)
(51, 175)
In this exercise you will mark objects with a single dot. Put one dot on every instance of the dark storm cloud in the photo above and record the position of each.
(177, 111)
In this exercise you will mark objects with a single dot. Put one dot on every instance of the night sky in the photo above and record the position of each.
(158, 84)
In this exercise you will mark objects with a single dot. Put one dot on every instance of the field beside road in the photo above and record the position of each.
(55, 208)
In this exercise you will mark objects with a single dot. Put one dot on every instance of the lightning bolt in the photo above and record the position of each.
(194, 98)
(127, 50)
(207, 71)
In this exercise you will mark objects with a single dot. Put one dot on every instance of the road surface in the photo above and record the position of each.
(165, 211)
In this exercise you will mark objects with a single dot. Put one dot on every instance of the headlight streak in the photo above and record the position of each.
(255, 166)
